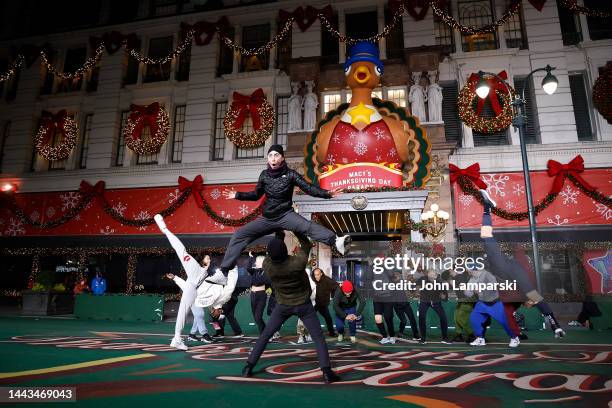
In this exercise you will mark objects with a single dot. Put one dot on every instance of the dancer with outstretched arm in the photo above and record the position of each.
(507, 268)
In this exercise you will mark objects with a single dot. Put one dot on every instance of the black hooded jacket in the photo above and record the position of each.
(279, 191)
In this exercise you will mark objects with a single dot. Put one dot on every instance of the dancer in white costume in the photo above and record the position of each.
(203, 288)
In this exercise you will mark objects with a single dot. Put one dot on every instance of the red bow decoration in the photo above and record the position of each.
(196, 187)
(248, 104)
(560, 171)
(305, 18)
(88, 189)
(494, 85)
(538, 4)
(203, 27)
(472, 172)
(147, 115)
(52, 122)
(113, 41)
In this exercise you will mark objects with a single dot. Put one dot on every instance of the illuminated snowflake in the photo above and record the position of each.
(510, 205)
(379, 133)
(360, 148)
(120, 208)
(142, 215)
(353, 135)
(604, 210)
(15, 227)
(518, 189)
(466, 200)
(215, 194)
(243, 210)
(70, 200)
(392, 152)
(50, 212)
(569, 195)
(496, 183)
(173, 196)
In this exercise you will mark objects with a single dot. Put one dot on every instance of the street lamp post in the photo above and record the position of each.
(519, 119)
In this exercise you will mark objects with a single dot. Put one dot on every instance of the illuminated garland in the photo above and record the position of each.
(232, 125)
(573, 6)
(44, 136)
(18, 63)
(481, 124)
(86, 67)
(173, 54)
(489, 28)
(159, 131)
(602, 93)
(261, 49)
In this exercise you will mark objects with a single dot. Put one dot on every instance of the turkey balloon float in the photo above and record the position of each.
(367, 143)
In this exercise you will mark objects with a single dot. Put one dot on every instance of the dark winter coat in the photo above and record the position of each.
(342, 302)
(325, 288)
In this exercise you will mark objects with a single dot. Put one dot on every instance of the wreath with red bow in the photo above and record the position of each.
(154, 116)
(602, 93)
(503, 112)
(51, 123)
(262, 115)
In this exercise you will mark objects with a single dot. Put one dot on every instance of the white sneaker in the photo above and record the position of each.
(340, 337)
(392, 340)
(480, 341)
(276, 336)
(559, 332)
(308, 339)
(487, 198)
(159, 220)
(353, 339)
(342, 243)
(514, 342)
(177, 343)
(385, 340)
(300, 339)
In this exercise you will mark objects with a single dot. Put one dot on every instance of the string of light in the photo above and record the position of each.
(261, 49)
(12, 69)
(573, 6)
(180, 48)
(489, 28)
(89, 64)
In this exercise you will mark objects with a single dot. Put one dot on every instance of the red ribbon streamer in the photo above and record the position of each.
(248, 104)
(561, 171)
(494, 85)
(472, 172)
(53, 122)
(147, 114)
(196, 187)
(203, 27)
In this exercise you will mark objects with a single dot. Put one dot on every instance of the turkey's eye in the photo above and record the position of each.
(378, 71)
(347, 70)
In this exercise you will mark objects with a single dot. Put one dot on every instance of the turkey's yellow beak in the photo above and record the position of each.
(362, 74)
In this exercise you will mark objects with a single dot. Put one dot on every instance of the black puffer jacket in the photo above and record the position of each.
(279, 191)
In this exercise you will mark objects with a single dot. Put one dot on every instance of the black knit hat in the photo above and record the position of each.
(277, 148)
(277, 250)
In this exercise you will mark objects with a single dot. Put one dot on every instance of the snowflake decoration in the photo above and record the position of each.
(496, 183)
(120, 208)
(142, 215)
(604, 210)
(360, 148)
(518, 189)
(557, 220)
(70, 200)
(331, 159)
(569, 195)
(219, 225)
(344, 160)
(107, 230)
(466, 200)
(510, 205)
(243, 210)
(77, 217)
(15, 227)
(215, 194)
(379, 133)
(335, 138)
(35, 216)
(353, 135)
(50, 212)
(173, 196)
(392, 152)
(378, 158)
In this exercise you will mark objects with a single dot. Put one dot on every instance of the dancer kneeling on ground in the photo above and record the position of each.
(202, 288)
(293, 296)
(348, 305)
(277, 183)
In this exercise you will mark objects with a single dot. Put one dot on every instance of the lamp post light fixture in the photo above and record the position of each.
(519, 121)
(434, 222)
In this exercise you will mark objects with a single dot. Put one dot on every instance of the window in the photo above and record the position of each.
(130, 67)
(73, 61)
(87, 124)
(122, 11)
(253, 37)
(330, 102)
(179, 132)
(599, 28)
(150, 158)
(249, 153)
(361, 25)
(282, 120)
(397, 96)
(489, 139)
(395, 39)
(225, 64)
(330, 51)
(443, 33)
(57, 140)
(581, 107)
(514, 30)
(5, 134)
(158, 48)
(219, 135)
(283, 50)
(120, 150)
(570, 26)
(477, 13)
(532, 126)
(450, 113)
(165, 7)
(184, 62)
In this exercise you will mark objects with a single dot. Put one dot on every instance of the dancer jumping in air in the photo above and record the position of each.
(277, 183)
(507, 268)
(202, 287)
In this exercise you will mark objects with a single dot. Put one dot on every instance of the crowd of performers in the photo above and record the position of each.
(283, 285)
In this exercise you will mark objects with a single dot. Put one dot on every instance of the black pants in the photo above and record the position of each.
(324, 311)
(228, 308)
(386, 310)
(437, 307)
(261, 226)
(280, 314)
(258, 304)
(403, 309)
